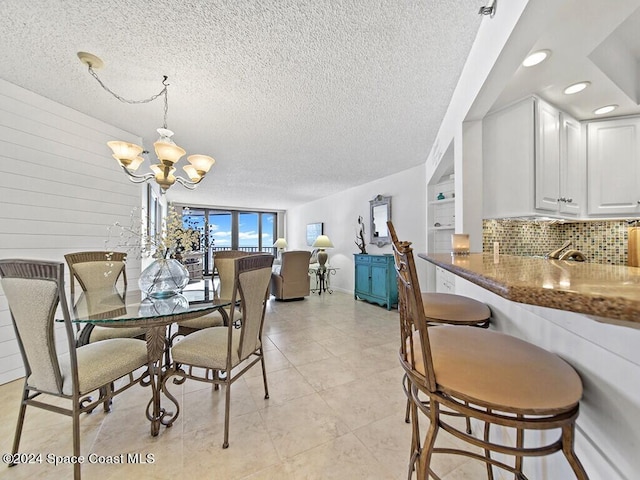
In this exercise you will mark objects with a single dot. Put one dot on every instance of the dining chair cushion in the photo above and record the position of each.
(101, 274)
(20, 293)
(124, 354)
(213, 319)
(499, 370)
(99, 333)
(207, 348)
(452, 308)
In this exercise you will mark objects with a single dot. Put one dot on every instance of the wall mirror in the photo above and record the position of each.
(380, 213)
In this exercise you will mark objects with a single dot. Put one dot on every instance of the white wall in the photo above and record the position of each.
(340, 212)
(59, 190)
(488, 46)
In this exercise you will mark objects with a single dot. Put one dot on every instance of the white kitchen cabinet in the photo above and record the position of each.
(445, 281)
(572, 166)
(508, 161)
(547, 158)
(613, 166)
(560, 167)
(532, 162)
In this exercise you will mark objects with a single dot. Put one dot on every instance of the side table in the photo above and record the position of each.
(322, 274)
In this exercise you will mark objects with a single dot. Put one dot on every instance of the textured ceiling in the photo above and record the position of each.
(295, 100)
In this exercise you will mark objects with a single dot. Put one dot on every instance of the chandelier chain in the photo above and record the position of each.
(164, 92)
(130, 155)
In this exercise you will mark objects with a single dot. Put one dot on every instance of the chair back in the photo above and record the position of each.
(295, 263)
(97, 269)
(251, 288)
(34, 289)
(224, 262)
(415, 350)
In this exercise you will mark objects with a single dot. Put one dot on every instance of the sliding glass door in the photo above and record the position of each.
(232, 230)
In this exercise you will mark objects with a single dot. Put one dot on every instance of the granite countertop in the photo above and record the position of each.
(608, 291)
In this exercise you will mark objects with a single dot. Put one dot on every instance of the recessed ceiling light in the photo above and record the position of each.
(606, 109)
(576, 87)
(535, 58)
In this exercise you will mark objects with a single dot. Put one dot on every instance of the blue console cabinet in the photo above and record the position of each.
(376, 279)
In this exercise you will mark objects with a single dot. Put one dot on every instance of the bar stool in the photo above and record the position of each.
(528, 388)
(449, 309)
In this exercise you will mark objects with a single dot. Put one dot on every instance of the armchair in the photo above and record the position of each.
(292, 281)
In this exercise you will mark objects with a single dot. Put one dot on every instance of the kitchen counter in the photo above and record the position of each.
(607, 291)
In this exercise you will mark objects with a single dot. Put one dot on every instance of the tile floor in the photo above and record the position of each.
(336, 411)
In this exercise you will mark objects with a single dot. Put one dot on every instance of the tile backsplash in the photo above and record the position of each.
(602, 241)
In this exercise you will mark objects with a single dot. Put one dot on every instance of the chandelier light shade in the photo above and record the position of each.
(129, 155)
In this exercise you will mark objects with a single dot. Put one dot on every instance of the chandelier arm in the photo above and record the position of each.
(187, 183)
(138, 178)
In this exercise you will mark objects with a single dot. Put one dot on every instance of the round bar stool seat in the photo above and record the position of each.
(533, 381)
(455, 310)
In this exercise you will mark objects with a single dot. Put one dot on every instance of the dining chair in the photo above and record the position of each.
(34, 291)
(99, 270)
(212, 354)
(224, 263)
(494, 378)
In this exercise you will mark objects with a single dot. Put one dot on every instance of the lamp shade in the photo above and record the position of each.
(322, 241)
(192, 172)
(202, 163)
(168, 152)
(280, 243)
(136, 162)
(124, 152)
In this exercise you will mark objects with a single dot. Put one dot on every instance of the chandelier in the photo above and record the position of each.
(129, 155)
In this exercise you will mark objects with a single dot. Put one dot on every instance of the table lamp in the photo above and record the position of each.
(322, 242)
(280, 244)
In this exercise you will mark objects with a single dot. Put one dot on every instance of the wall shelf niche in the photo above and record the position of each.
(441, 214)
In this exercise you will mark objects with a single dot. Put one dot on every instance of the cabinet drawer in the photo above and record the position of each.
(380, 260)
(363, 259)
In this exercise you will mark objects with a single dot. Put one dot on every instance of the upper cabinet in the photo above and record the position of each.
(613, 159)
(559, 165)
(572, 166)
(507, 161)
(532, 164)
(547, 157)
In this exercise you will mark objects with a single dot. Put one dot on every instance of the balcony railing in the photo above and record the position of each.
(212, 251)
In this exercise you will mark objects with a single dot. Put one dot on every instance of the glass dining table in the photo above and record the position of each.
(131, 308)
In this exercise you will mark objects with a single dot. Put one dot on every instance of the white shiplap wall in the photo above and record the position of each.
(59, 191)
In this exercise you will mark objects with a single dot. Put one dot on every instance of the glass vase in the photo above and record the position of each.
(157, 307)
(164, 278)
